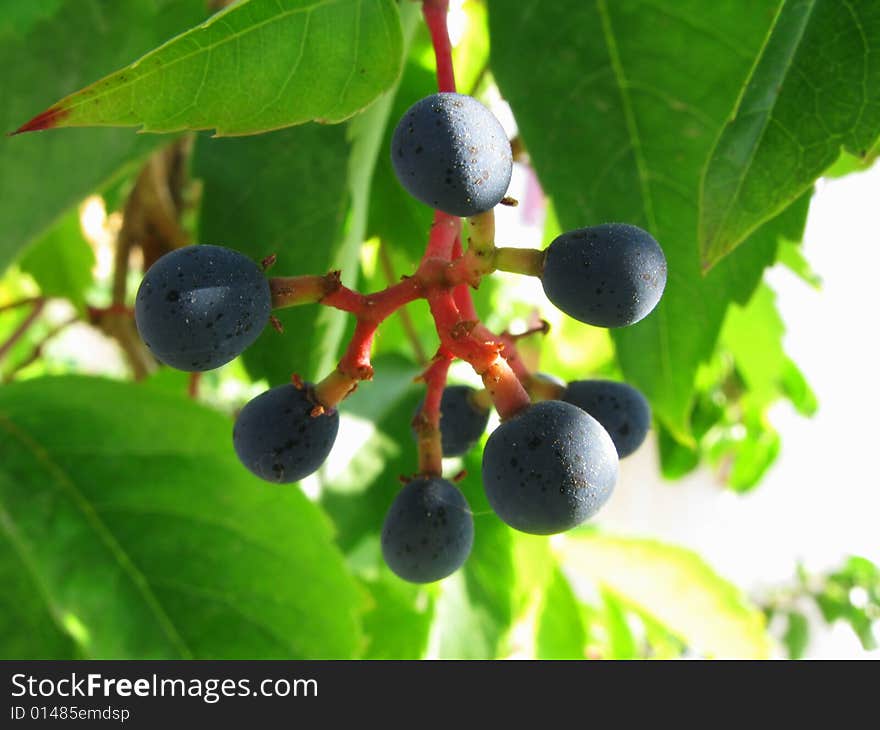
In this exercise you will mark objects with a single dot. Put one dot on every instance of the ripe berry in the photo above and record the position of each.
(450, 152)
(549, 468)
(610, 275)
(277, 437)
(621, 409)
(428, 532)
(198, 307)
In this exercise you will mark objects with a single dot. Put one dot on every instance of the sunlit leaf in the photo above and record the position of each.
(147, 539)
(814, 90)
(676, 587)
(560, 632)
(256, 66)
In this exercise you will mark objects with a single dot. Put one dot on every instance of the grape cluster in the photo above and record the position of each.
(547, 468)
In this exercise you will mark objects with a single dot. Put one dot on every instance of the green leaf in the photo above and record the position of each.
(797, 635)
(283, 193)
(146, 534)
(63, 45)
(256, 66)
(621, 642)
(852, 594)
(814, 89)
(618, 127)
(676, 459)
(791, 255)
(753, 334)
(755, 451)
(675, 587)
(61, 262)
(28, 628)
(398, 622)
(560, 632)
(18, 18)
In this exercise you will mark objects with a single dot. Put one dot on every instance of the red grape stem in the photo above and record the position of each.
(435, 12)
(427, 421)
(444, 277)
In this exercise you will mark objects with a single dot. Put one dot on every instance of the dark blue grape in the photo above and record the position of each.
(462, 420)
(549, 468)
(621, 409)
(450, 152)
(198, 307)
(428, 532)
(611, 275)
(277, 437)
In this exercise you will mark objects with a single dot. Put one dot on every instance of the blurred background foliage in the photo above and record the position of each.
(128, 528)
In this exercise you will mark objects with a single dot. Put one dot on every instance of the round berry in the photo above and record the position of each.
(198, 307)
(611, 275)
(621, 409)
(450, 152)
(549, 468)
(428, 532)
(277, 438)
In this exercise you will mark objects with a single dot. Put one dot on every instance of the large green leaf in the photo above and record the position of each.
(284, 193)
(30, 626)
(18, 17)
(145, 534)
(44, 54)
(814, 90)
(398, 622)
(256, 66)
(674, 586)
(619, 106)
